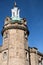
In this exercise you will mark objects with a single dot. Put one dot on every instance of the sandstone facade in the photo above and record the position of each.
(15, 50)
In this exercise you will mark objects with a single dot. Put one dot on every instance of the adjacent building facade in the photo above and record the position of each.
(15, 49)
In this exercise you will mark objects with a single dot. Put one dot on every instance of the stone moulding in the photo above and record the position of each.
(41, 54)
(15, 27)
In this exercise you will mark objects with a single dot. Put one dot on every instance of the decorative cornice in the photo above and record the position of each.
(15, 27)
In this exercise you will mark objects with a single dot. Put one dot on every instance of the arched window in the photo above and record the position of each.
(27, 56)
(4, 55)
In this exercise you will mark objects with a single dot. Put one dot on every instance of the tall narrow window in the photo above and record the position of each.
(27, 56)
(4, 55)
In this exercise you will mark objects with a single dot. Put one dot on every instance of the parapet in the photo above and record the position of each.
(15, 24)
(33, 49)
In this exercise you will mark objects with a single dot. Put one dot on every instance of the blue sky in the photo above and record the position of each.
(32, 10)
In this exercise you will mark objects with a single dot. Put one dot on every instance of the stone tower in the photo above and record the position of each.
(15, 35)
